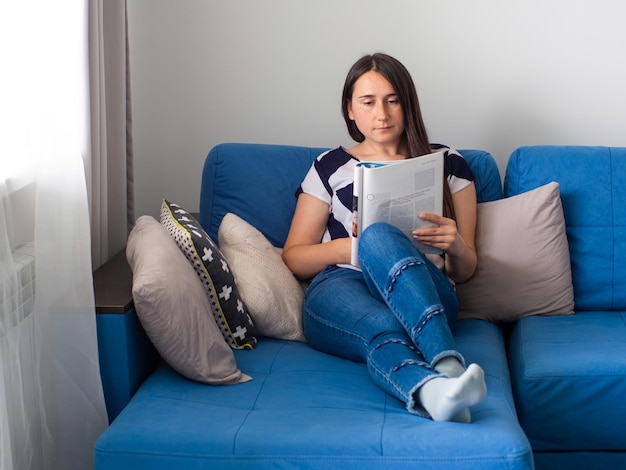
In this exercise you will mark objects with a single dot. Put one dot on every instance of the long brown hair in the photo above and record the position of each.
(415, 137)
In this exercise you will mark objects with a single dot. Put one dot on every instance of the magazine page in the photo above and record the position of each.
(396, 192)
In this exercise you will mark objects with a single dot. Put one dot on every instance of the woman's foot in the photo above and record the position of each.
(450, 366)
(449, 399)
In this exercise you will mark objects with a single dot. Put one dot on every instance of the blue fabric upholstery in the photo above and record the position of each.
(306, 409)
(569, 372)
(570, 380)
(303, 408)
(257, 182)
(486, 174)
(126, 357)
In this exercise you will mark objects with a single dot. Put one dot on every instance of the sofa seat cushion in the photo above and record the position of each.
(569, 379)
(307, 409)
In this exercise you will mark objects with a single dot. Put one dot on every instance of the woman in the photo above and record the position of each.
(396, 311)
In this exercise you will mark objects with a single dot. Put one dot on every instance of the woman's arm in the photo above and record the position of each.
(303, 252)
(457, 239)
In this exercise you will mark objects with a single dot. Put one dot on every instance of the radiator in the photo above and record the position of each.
(22, 294)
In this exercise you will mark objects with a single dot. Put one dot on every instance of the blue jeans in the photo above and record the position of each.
(396, 315)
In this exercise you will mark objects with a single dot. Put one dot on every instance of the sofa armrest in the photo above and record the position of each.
(126, 354)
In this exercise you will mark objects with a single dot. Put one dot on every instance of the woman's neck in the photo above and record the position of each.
(368, 151)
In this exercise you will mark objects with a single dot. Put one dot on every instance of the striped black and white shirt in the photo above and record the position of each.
(331, 177)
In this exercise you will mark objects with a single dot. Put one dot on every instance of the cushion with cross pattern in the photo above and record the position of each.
(231, 314)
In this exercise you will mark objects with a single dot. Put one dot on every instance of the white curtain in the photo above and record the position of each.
(51, 402)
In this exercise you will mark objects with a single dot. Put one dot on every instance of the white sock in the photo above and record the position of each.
(450, 366)
(449, 399)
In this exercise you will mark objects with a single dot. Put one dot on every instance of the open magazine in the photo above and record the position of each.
(396, 192)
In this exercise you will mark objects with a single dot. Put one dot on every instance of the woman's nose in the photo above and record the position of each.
(381, 111)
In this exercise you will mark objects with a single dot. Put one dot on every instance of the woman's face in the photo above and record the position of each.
(376, 110)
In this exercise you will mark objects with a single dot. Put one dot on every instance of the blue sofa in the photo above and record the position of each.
(569, 372)
(562, 377)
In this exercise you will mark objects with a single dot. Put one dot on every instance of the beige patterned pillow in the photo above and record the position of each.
(272, 294)
(523, 259)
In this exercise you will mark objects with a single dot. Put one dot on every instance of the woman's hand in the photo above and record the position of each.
(442, 234)
(455, 238)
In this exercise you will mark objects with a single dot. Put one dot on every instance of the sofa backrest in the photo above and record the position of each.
(258, 183)
(593, 196)
(255, 181)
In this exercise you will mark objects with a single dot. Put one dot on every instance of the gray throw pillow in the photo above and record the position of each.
(173, 308)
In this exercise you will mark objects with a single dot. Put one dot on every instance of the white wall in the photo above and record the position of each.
(491, 74)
